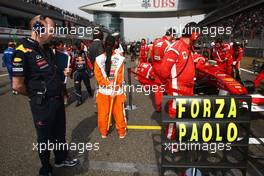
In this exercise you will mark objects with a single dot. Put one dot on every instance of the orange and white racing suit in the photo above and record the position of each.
(107, 87)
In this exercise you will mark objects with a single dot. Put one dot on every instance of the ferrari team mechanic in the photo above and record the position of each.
(222, 55)
(35, 75)
(81, 71)
(259, 77)
(150, 46)
(177, 71)
(143, 53)
(109, 73)
(160, 46)
(237, 55)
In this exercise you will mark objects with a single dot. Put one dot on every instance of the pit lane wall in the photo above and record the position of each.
(254, 52)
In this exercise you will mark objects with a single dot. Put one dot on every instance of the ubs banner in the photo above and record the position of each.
(159, 3)
(205, 135)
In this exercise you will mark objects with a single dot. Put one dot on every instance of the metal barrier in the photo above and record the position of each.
(202, 162)
(254, 52)
(130, 105)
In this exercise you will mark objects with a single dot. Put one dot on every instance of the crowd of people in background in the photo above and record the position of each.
(43, 4)
(248, 24)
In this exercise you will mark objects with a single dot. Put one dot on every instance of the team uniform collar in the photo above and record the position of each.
(164, 38)
(32, 42)
(185, 44)
(113, 53)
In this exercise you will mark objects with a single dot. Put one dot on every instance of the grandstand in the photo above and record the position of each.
(246, 19)
(16, 14)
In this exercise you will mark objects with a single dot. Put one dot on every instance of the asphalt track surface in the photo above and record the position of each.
(138, 154)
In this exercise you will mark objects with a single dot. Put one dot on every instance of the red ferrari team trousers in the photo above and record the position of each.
(183, 91)
(259, 78)
(158, 98)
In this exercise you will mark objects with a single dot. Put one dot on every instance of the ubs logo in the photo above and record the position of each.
(146, 4)
(158, 3)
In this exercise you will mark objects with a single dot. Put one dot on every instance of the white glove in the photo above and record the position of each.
(234, 63)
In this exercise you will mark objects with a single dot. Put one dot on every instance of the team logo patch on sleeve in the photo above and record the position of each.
(42, 63)
(17, 59)
(17, 69)
(184, 55)
(17, 64)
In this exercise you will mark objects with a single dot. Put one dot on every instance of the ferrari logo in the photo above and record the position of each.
(146, 4)
(184, 55)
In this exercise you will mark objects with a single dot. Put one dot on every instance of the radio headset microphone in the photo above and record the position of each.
(38, 27)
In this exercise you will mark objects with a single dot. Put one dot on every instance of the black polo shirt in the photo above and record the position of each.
(38, 67)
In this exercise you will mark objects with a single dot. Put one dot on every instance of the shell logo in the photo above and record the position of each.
(17, 59)
(228, 79)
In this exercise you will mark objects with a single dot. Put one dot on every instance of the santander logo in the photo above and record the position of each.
(158, 3)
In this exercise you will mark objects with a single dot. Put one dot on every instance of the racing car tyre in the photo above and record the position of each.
(249, 85)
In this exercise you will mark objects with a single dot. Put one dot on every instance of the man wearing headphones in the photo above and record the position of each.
(35, 75)
(177, 71)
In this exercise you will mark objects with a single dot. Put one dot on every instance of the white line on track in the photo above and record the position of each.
(245, 70)
(3, 75)
(255, 140)
(123, 167)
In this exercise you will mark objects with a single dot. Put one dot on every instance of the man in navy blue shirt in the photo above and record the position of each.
(62, 63)
(7, 58)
